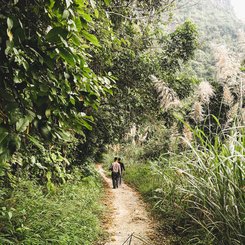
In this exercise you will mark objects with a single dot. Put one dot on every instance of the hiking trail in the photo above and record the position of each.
(127, 217)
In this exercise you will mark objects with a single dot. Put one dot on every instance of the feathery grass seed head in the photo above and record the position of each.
(232, 113)
(167, 96)
(227, 96)
(187, 133)
(197, 111)
(205, 92)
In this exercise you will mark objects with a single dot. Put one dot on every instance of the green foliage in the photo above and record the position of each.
(69, 215)
(181, 46)
(137, 174)
(133, 58)
(215, 186)
(58, 60)
(217, 25)
(48, 89)
(198, 194)
(157, 143)
(242, 69)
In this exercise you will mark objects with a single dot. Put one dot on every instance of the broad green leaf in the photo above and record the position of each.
(22, 124)
(89, 118)
(58, 169)
(67, 56)
(10, 35)
(45, 131)
(9, 46)
(84, 123)
(87, 125)
(76, 39)
(72, 100)
(15, 141)
(10, 215)
(80, 3)
(53, 34)
(51, 5)
(66, 161)
(48, 113)
(39, 165)
(90, 37)
(53, 157)
(49, 175)
(25, 65)
(96, 13)
(36, 142)
(33, 159)
(3, 134)
(50, 186)
(85, 16)
(65, 136)
(66, 14)
(10, 23)
(78, 24)
(107, 2)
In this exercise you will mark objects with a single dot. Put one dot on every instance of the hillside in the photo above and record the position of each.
(219, 31)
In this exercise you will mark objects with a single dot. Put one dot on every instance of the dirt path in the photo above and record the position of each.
(128, 216)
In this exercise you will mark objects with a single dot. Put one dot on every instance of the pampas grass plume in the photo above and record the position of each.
(167, 96)
(187, 133)
(205, 92)
(197, 111)
(227, 96)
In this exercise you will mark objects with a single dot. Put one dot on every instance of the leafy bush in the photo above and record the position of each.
(48, 89)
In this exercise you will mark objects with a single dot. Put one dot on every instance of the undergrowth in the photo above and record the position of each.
(68, 215)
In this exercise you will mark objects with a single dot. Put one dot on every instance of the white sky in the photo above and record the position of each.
(239, 7)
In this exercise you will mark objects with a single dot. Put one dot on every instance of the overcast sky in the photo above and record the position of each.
(239, 7)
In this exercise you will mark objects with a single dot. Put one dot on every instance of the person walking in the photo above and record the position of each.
(122, 169)
(115, 172)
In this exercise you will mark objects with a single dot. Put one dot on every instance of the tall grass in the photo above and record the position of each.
(200, 192)
(70, 215)
(214, 177)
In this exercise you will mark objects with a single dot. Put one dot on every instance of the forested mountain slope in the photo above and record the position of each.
(218, 27)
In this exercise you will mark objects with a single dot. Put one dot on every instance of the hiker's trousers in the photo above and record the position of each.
(115, 178)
